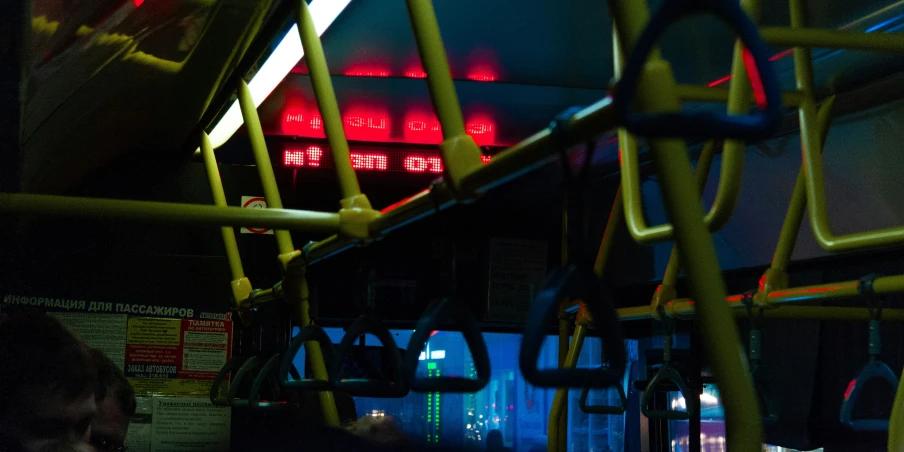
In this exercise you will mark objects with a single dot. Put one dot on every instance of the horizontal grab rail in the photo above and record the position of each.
(167, 212)
(779, 299)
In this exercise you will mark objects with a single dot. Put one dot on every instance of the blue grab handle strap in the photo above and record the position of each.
(701, 124)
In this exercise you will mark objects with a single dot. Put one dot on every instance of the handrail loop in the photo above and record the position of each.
(393, 385)
(310, 332)
(576, 281)
(768, 409)
(702, 124)
(664, 374)
(465, 321)
(874, 369)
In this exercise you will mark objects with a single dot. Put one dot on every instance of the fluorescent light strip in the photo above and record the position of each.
(287, 54)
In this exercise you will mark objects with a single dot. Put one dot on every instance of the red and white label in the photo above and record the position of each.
(255, 202)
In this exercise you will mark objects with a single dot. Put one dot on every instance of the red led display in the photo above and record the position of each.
(367, 123)
(367, 158)
(376, 125)
(309, 156)
(415, 73)
(367, 72)
(422, 163)
(374, 161)
(481, 77)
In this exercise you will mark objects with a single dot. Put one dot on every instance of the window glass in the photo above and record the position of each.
(712, 424)
(508, 404)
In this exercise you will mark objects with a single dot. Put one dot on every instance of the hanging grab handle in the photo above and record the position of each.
(308, 333)
(245, 366)
(700, 124)
(266, 374)
(393, 385)
(874, 369)
(572, 283)
(668, 373)
(604, 409)
(217, 384)
(439, 310)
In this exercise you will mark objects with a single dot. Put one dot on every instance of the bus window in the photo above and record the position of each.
(508, 404)
(712, 424)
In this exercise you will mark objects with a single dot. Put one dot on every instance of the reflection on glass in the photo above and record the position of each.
(509, 405)
(712, 425)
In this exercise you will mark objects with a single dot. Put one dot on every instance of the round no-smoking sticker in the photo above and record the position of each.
(255, 202)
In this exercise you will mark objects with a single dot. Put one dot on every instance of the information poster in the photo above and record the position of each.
(176, 357)
(139, 437)
(517, 271)
(173, 424)
(105, 332)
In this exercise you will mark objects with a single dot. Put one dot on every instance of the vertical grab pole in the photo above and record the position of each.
(729, 187)
(776, 276)
(657, 93)
(326, 102)
(439, 76)
(896, 422)
(559, 425)
(557, 435)
(262, 160)
(616, 215)
(560, 405)
(459, 152)
(673, 268)
(219, 199)
(295, 284)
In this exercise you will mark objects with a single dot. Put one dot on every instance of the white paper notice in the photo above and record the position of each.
(139, 436)
(517, 270)
(189, 425)
(105, 332)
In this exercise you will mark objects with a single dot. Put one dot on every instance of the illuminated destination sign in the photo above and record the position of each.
(367, 158)
(377, 125)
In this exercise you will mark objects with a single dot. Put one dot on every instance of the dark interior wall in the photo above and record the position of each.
(129, 261)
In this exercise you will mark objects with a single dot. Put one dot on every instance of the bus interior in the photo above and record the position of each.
(631, 225)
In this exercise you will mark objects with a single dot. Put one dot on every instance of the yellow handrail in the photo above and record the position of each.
(240, 285)
(832, 39)
(459, 152)
(167, 212)
(729, 186)
(561, 428)
(559, 399)
(262, 160)
(811, 147)
(896, 422)
(326, 102)
(673, 267)
(219, 199)
(657, 93)
(439, 76)
(521, 158)
(776, 276)
(778, 299)
(295, 284)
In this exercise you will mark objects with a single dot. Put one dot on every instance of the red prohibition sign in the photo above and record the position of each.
(248, 203)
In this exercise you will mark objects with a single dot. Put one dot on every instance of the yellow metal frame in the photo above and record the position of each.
(729, 187)
(812, 142)
(656, 93)
(295, 286)
(558, 435)
(459, 152)
(467, 177)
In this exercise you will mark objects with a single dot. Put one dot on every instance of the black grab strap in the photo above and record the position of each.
(572, 283)
(308, 333)
(393, 385)
(463, 320)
